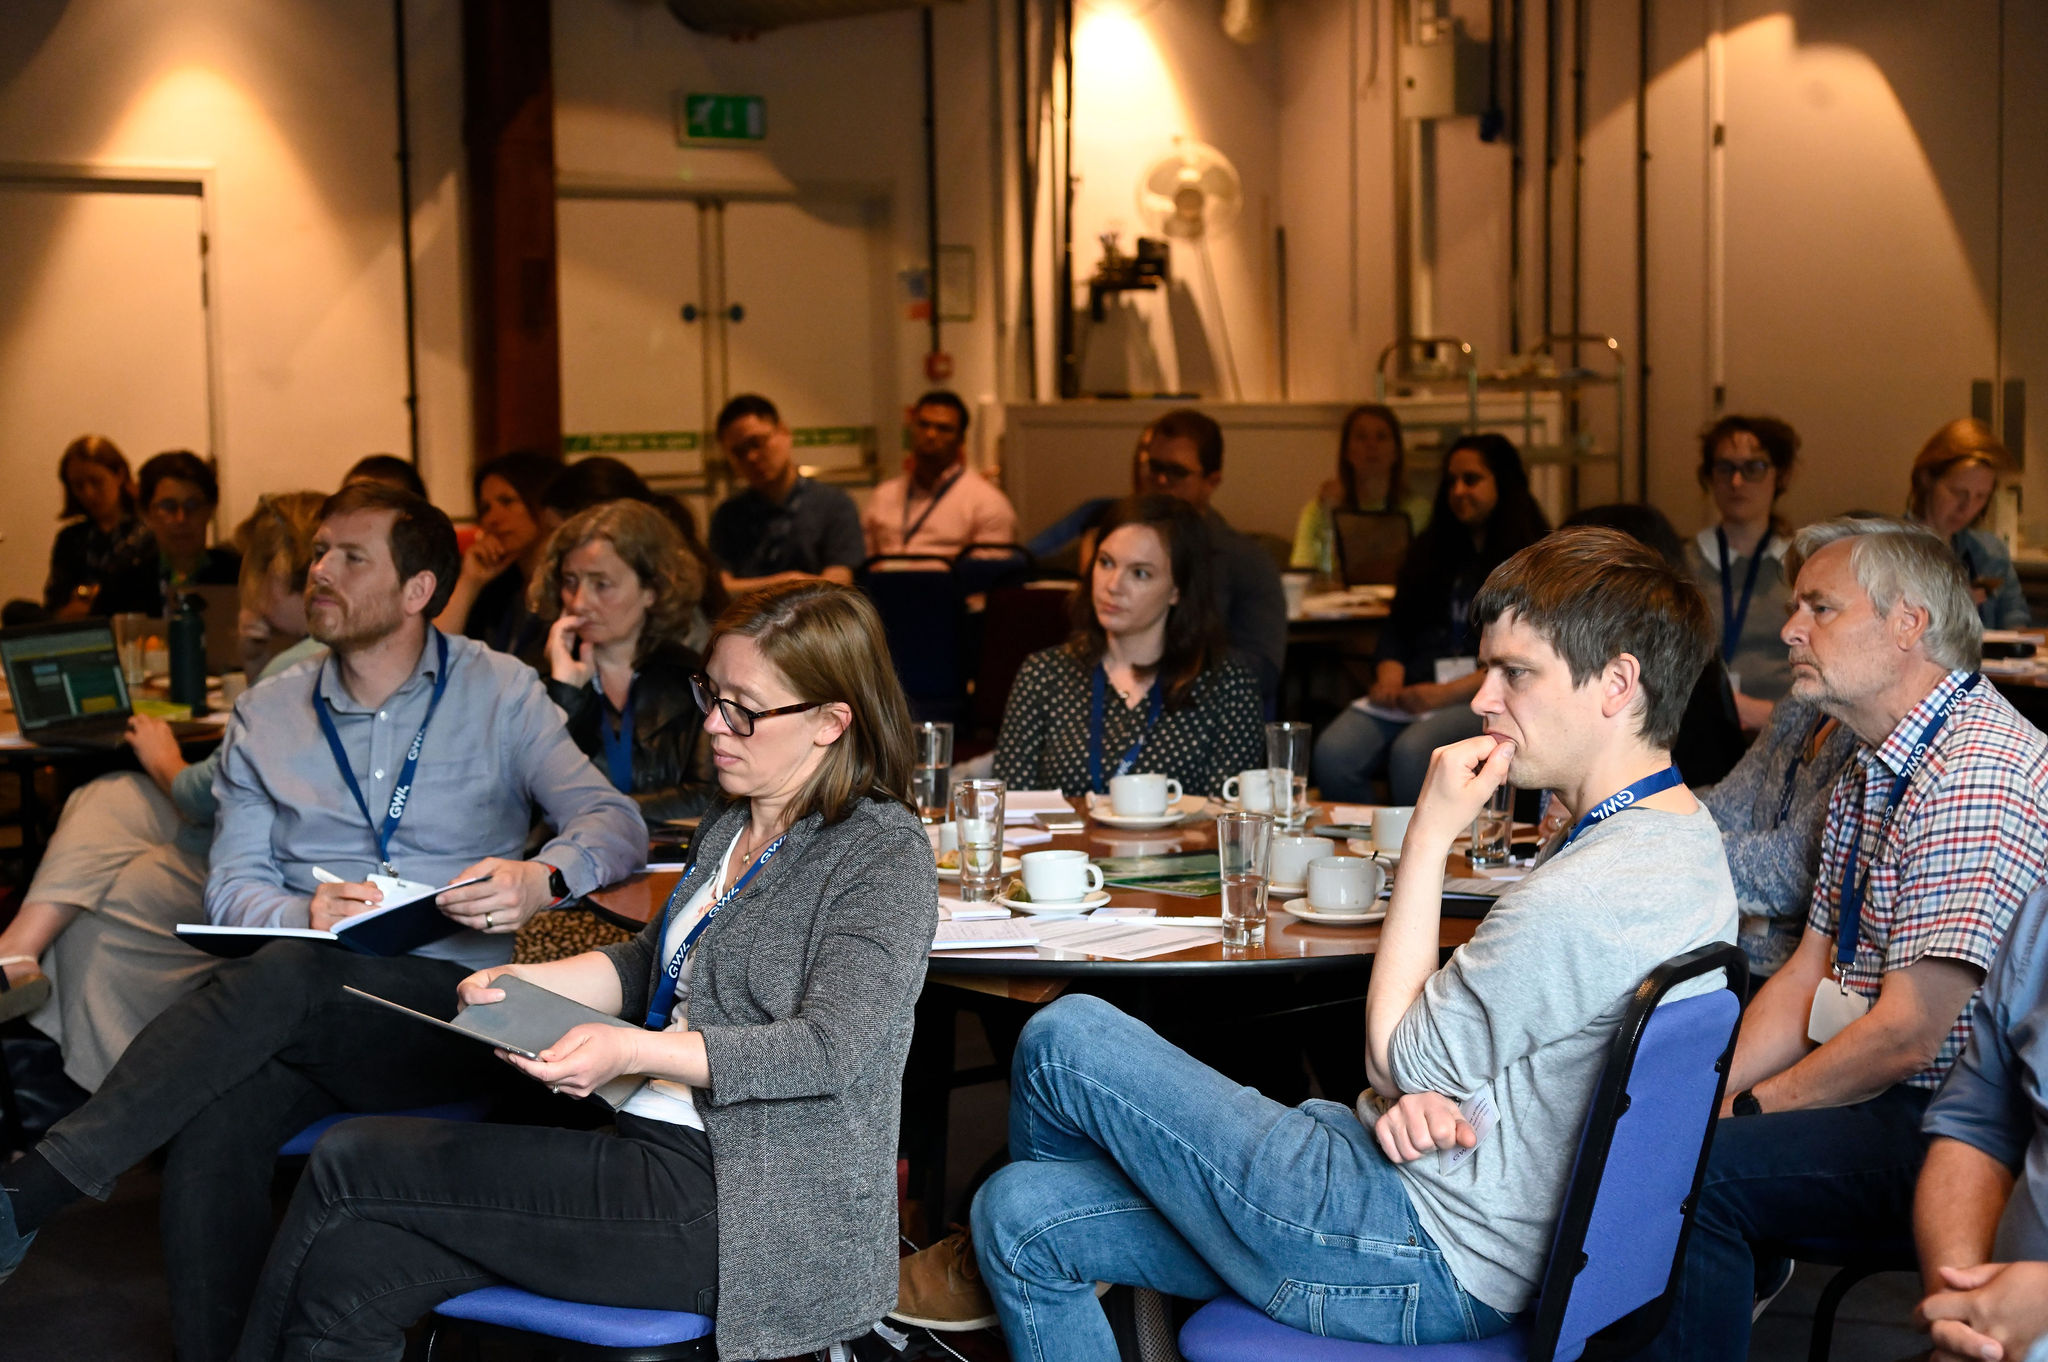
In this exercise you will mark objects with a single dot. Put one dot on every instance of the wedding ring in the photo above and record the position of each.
(487, 922)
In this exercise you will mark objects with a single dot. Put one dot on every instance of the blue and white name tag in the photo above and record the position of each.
(1834, 1007)
(1479, 1113)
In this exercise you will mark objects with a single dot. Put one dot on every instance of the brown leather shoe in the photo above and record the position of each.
(940, 1288)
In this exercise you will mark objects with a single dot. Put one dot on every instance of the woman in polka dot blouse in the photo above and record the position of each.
(1147, 683)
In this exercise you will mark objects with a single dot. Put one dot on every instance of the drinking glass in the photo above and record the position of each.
(928, 777)
(1494, 827)
(1287, 756)
(978, 815)
(1244, 843)
(131, 637)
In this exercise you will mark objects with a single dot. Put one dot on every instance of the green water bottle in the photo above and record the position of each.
(188, 656)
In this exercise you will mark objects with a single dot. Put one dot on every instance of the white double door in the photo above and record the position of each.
(669, 306)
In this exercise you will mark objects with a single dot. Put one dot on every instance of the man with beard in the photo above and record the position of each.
(406, 754)
(1935, 836)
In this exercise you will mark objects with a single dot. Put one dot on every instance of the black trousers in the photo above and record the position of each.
(267, 1046)
(396, 1215)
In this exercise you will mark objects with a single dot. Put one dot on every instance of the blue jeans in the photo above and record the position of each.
(1356, 747)
(1838, 1173)
(1136, 1164)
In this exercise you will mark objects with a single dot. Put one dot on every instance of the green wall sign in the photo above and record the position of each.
(721, 118)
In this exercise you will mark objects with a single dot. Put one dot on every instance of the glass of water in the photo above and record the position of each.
(928, 777)
(1244, 843)
(978, 815)
(1287, 755)
(1494, 828)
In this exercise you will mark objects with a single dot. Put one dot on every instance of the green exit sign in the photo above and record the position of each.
(721, 118)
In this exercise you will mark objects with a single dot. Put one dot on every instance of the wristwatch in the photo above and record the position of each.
(1745, 1103)
(558, 884)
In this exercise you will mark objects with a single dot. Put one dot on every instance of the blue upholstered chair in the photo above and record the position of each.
(922, 616)
(576, 1333)
(1620, 1240)
(301, 1144)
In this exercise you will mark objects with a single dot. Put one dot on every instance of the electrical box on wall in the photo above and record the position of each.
(1447, 78)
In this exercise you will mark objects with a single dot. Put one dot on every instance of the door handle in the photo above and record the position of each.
(690, 313)
(736, 313)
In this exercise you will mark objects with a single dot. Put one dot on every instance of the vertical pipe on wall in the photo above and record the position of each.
(931, 178)
(1549, 241)
(405, 269)
(1404, 187)
(1717, 220)
(1027, 172)
(1642, 250)
(1580, 48)
(1517, 172)
(1070, 361)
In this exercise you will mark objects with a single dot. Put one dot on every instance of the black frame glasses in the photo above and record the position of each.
(738, 718)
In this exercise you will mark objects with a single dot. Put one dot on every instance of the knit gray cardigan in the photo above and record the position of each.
(803, 988)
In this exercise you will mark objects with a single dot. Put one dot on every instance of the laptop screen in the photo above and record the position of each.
(63, 674)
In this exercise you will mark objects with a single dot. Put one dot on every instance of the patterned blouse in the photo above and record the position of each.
(1218, 732)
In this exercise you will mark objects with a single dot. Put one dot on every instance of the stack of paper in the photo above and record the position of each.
(985, 936)
(1021, 806)
(1121, 938)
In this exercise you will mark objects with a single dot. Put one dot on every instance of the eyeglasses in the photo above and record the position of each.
(1160, 471)
(736, 716)
(1752, 470)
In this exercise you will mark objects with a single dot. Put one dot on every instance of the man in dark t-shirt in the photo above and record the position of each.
(784, 526)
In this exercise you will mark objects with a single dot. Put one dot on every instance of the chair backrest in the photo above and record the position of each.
(1370, 545)
(981, 567)
(1018, 621)
(1620, 1241)
(920, 604)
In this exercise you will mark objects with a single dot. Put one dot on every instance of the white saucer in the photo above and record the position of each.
(1011, 865)
(1095, 899)
(1189, 805)
(1363, 846)
(1278, 888)
(1300, 908)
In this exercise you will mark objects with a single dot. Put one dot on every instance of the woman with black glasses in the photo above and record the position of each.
(618, 590)
(752, 1174)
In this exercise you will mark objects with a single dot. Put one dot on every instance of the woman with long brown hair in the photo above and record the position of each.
(1372, 475)
(1954, 476)
(1146, 684)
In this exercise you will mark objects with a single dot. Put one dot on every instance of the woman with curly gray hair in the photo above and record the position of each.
(617, 589)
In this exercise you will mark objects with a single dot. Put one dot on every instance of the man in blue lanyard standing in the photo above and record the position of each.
(1935, 836)
(405, 753)
(1424, 1213)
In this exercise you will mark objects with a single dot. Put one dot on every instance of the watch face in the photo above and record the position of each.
(558, 884)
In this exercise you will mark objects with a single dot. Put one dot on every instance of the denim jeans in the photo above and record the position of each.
(396, 1215)
(1356, 747)
(1137, 1164)
(264, 1048)
(1837, 1173)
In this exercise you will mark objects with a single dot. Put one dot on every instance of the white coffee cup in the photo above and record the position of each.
(1142, 796)
(1291, 854)
(1251, 791)
(1390, 826)
(1294, 586)
(1344, 884)
(1060, 876)
(949, 837)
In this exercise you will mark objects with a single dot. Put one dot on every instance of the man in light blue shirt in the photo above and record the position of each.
(404, 752)
(1980, 1212)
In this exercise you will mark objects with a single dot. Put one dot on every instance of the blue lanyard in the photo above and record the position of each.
(1851, 923)
(664, 999)
(1098, 709)
(1799, 759)
(617, 738)
(1624, 799)
(1733, 616)
(402, 791)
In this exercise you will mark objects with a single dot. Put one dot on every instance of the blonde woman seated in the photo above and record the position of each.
(1146, 684)
(1954, 475)
(754, 1176)
(618, 591)
(128, 860)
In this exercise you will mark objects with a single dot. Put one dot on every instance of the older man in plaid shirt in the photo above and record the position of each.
(1936, 834)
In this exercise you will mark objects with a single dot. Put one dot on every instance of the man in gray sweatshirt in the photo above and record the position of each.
(1423, 1215)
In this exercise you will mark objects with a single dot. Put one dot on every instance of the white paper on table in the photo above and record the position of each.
(1120, 939)
(1021, 806)
(985, 936)
(668, 865)
(954, 909)
(1025, 837)
(1475, 887)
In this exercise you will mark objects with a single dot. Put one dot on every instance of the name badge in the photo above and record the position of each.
(1833, 1009)
(1480, 1114)
(1450, 669)
(1735, 682)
